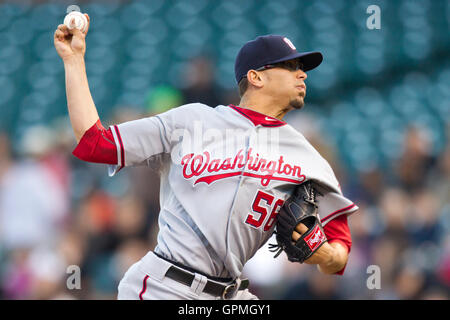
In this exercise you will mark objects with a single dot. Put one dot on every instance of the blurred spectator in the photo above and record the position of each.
(369, 186)
(48, 271)
(395, 206)
(230, 96)
(34, 198)
(385, 252)
(199, 83)
(439, 179)
(317, 286)
(409, 281)
(416, 160)
(5, 154)
(162, 98)
(443, 268)
(130, 218)
(425, 226)
(16, 277)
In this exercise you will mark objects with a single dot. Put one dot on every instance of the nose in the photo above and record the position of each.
(301, 74)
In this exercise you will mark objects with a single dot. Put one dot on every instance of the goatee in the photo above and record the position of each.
(296, 104)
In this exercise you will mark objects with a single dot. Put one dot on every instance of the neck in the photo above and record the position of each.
(267, 107)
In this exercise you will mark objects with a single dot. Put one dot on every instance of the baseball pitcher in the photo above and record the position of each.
(231, 176)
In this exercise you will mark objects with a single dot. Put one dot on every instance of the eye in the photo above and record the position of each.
(294, 65)
(290, 65)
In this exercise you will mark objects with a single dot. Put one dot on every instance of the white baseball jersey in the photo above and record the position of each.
(225, 173)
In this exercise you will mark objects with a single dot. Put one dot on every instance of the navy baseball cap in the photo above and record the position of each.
(271, 49)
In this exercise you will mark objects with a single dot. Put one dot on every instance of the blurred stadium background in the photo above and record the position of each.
(378, 109)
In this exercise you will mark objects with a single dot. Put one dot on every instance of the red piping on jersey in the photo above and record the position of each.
(258, 118)
(144, 288)
(122, 152)
(338, 211)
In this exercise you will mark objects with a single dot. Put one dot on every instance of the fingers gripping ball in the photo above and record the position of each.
(76, 20)
(301, 207)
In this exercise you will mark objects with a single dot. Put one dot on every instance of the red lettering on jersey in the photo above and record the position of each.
(226, 164)
(296, 171)
(186, 158)
(280, 162)
(287, 169)
(214, 166)
(198, 169)
(241, 159)
(184, 162)
(276, 209)
(270, 167)
(259, 209)
(196, 166)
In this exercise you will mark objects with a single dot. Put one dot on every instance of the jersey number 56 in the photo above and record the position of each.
(264, 201)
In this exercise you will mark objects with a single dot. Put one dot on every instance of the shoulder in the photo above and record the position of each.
(188, 111)
(188, 115)
(193, 107)
(319, 167)
(298, 137)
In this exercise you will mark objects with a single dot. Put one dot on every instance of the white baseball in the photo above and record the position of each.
(80, 21)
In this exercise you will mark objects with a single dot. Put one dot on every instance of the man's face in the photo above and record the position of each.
(285, 83)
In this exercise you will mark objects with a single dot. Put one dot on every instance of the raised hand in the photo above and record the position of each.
(69, 43)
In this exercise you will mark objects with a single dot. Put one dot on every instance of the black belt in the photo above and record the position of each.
(219, 290)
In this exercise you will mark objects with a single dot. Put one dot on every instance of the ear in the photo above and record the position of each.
(255, 78)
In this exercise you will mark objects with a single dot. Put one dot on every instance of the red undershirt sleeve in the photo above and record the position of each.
(97, 145)
(337, 230)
